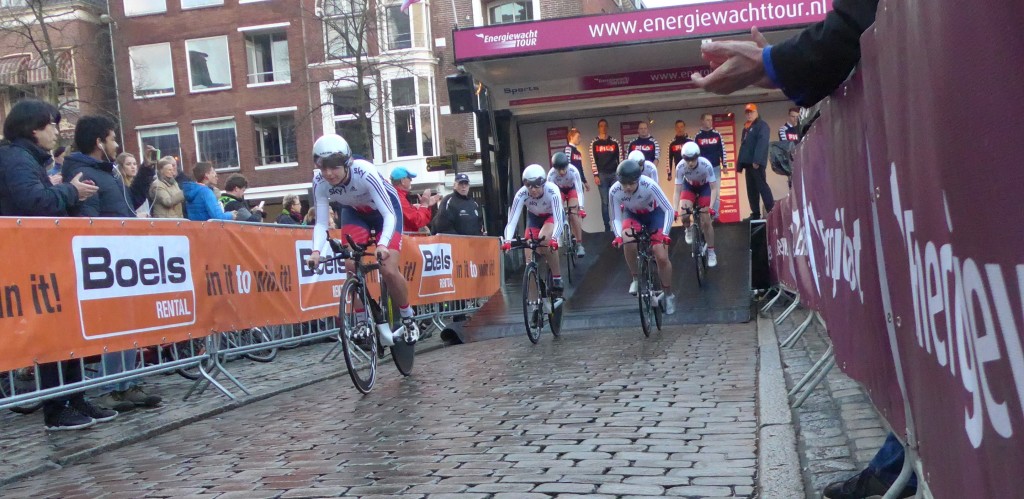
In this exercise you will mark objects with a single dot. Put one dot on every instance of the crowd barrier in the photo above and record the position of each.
(186, 296)
(901, 231)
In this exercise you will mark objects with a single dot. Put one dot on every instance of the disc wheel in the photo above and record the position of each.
(644, 296)
(402, 353)
(358, 339)
(659, 308)
(533, 311)
(555, 317)
(699, 257)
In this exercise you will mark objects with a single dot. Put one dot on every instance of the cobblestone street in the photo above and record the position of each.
(606, 413)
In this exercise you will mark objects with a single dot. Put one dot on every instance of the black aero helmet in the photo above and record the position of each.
(560, 161)
(629, 171)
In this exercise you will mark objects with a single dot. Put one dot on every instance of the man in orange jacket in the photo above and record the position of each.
(414, 217)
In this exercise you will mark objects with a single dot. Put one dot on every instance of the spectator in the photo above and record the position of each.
(575, 156)
(128, 166)
(416, 217)
(310, 219)
(754, 159)
(788, 130)
(806, 67)
(876, 479)
(645, 144)
(200, 200)
(134, 179)
(96, 144)
(605, 156)
(458, 213)
(291, 210)
(56, 165)
(712, 148)
(165, 192)
(30, 132)
(675, 149)
(233, 200)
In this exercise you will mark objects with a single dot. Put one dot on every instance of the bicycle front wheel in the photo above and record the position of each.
(570, 251)
(656, 288)
(533, 311)
(358, 337)
(644, 295)
(699, 256)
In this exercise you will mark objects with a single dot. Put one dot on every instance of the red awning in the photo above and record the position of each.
(38, 73)
(12, 70)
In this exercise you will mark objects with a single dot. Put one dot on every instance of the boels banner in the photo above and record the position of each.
(71, 287)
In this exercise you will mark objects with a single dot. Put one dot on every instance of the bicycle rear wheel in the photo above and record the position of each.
(257, 335)
(699, 256)
(659, 307)
(358, 337)
(555, 316)
(570, 251)
(186, 349)
(533, 311)
(402, 353)
(643, 292)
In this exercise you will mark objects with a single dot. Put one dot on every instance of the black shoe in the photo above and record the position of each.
(100, 414)
(860, 486)
(67, 418)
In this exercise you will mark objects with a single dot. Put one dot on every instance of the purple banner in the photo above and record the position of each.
(687, 21)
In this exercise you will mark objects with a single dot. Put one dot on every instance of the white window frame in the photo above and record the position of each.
(143, 129)
(263, 113)
(385, 28)
(183, 7)
(481, 17)
(188, 66)
(346, 13)
(124, 6)
(207, 121)
(419, 108)
(170, 64)
(331, 120)
(266, 29)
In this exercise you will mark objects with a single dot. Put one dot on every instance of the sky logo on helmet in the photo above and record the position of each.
(132, 284)
(437, 277)
(318, 288)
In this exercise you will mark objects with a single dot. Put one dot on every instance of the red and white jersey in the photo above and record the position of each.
(366, 190)
(647, 198)
(549, 203)
(697, 176)
(571, 180)
(650, 171)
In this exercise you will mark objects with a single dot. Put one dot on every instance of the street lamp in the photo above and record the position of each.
(111, 25)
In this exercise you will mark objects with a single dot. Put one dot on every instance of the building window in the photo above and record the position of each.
(412, 117)
(504, 11)
(352, 120)
(345, 26)
(267, 54)
(152, 75)
(164, 138)
(143, 7)
(217, 143)
(275, 139)
(195, 4)
(209, 67)
(407, 31)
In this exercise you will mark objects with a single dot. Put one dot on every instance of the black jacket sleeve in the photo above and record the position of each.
(30, 194)
(141, 183)
(811, 65)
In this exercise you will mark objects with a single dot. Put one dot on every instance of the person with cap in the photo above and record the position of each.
(753, 159)
(414, 217)
(458, 213)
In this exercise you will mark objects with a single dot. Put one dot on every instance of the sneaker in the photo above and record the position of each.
(556, 285)
(712, 258)
(100, 414)
(862, 485)
(670, 304)
(114, 401)
(139, 398)
(632, 288)
(689, 234)
(67, 418)
(580, 252)
(411, 333)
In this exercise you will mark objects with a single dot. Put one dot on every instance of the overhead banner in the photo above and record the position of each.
(895, 235)
(76, 287)
(644, 25)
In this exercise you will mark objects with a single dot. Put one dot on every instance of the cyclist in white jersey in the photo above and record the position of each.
(368, 203)
(543, 203)
(570, 182)
(650, 169)
(638, 202)
(696, 183)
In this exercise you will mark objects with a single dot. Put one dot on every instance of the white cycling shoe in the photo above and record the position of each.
(632, 287)
(689, 234)
(712, 258)
(410, 330)
(580, 252)
(670, 304)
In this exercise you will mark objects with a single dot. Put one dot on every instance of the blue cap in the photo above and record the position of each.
(400, 173)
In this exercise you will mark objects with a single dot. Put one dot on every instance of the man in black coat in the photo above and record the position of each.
(26, 191)
(458, 213)
(753, 159)
(96, 144)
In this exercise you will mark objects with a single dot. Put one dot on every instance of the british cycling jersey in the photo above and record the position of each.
(647, 198)
(697, 176)
(571, 180)
(548, 205)
(365, 191)
(651, 171)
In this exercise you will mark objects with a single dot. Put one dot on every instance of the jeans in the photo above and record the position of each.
(888, 462)
(118, 362)
(607, 181)
(49, 377)
(757, 187)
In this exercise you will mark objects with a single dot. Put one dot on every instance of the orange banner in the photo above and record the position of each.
(71, 288)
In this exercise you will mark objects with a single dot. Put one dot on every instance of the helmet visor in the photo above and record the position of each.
(534, 182)
(336, 160)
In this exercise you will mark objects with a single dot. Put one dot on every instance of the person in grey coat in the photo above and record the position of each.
(753, 159)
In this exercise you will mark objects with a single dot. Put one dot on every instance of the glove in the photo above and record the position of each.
(506, 246)
(617, 242)
(597, 180)
(676, 213)
(666, 240)
(669, 172)
(583, 213)
(553, 245)
(712, 211)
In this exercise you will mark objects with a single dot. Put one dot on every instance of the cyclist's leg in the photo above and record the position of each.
(575, 224)
(552, 256)
(705, 217)
(660, 249)
(629, 250)
(352, 224)
(686, 204)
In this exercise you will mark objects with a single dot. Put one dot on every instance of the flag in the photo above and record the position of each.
(406, 4)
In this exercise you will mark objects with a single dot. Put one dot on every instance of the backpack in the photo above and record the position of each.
(780, 155)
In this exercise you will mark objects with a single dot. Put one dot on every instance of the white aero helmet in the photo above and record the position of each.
(534, 175)
(331, 151)
(637, 156)
(690, 150)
